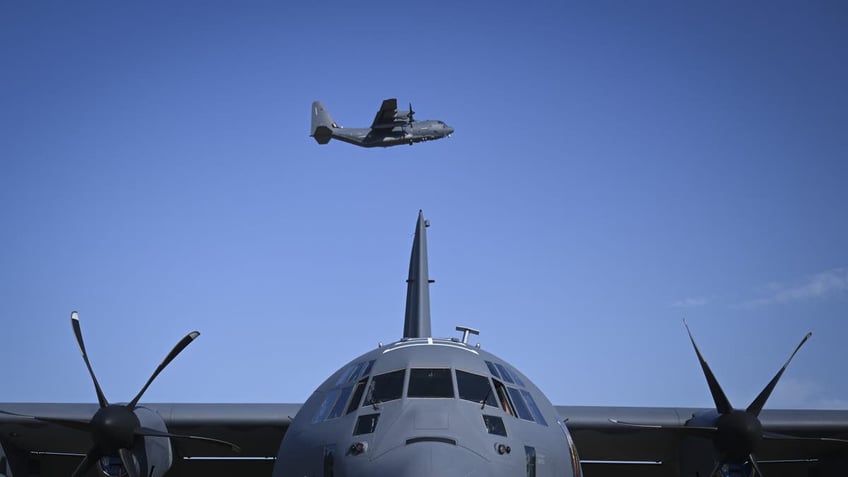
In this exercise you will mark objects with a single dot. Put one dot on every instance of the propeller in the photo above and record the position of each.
(736, 434)
(116, 429)
(411, 112)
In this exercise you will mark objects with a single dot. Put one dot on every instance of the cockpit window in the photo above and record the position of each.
(531, 403)
(340, 402)
(326, 405)
(476, 388)
(358, 391)
(505, 374)
(520, 407)
(430, 383)
(354, 371)
(385, 387)
(493, 369)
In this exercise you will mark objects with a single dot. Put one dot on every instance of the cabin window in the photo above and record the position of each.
(358, 391)
(494, 425)
(534, 409)
(385, 387)
(366, 424)
(476, 388)
(520, 407)
(430, 383)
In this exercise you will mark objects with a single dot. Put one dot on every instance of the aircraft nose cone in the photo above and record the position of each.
(448, 130)
(426, 459)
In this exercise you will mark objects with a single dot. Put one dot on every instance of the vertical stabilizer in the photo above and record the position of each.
(416, 323)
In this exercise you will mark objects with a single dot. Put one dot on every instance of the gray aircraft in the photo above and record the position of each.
(390, 127)
(418, 407)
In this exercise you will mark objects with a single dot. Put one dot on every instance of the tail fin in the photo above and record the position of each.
(322, 123)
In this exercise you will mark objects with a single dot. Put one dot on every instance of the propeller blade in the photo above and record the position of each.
(87, 462)
(129, 463)
(173, 354)
(756, 466)
(147, 432)
(760, 401)
(721, 402)
(69, 423)
(411, 112)
(774, 436)
(101, 398)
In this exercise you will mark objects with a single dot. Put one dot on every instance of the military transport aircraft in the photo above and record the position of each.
(390, 127)
(419, 407)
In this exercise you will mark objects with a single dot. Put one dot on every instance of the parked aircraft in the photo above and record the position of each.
(390, 127)
(418, 407)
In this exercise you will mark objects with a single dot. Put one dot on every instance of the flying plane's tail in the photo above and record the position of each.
(322, 123)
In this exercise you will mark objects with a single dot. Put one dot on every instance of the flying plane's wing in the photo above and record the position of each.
(52, 449)
(609, 447)
(385, 117)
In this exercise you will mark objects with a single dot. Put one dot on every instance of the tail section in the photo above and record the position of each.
(416, 323)
(322, 123)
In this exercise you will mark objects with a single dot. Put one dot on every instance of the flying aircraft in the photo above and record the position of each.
(390, 127)
(419, 407)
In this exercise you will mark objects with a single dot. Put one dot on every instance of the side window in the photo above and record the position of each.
(385, 387)
(366, 424)
(475, 388)
(494, 425)
(430, 383)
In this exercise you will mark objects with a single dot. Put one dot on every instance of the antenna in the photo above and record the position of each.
(467, 331)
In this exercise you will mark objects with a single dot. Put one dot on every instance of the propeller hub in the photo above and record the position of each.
(113, 427)
(738, 435)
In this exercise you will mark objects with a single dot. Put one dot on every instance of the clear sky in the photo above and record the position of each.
(616, 167)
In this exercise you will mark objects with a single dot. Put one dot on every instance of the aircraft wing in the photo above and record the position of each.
(656, 449)
(607, 449)
(385, 117)
(52, 449)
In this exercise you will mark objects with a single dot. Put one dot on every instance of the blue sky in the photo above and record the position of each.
(616, 167)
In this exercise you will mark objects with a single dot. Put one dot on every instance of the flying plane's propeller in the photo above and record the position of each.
(736, 434)
(411, 112)
(119, 429)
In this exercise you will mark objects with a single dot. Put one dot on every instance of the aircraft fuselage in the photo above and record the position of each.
(426, 407)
